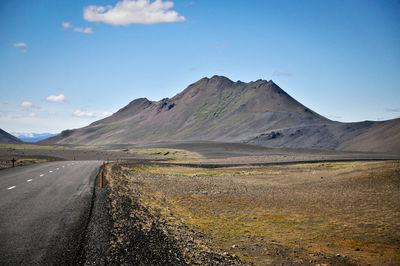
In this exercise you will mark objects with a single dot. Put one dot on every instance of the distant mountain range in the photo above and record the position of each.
(33, 137)
(6, 137)
(219, 109)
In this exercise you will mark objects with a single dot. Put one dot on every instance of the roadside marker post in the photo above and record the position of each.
(108, 160)
(13, 161)
(101, 179)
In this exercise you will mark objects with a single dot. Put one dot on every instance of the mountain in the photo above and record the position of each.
(219, 109)
(33, 137)
(8, 138)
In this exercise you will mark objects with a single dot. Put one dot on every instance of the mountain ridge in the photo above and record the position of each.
(219, 109)
(6, 137)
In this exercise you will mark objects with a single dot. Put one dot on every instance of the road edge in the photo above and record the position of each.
(94, 245)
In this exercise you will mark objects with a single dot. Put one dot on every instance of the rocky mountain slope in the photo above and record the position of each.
(219, 109)
(8, 138)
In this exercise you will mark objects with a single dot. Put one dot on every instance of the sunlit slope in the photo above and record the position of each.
(219, 109)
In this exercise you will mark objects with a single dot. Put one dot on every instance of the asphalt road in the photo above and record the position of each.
(44, 209)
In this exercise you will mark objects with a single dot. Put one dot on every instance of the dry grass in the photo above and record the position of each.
(193, 172)
(20, 162)
(28, 146)
(176, 155)
(145, 233)
(307, 213)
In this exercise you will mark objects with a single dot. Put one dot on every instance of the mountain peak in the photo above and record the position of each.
(223, 78)
(218, 78)
(215, 108)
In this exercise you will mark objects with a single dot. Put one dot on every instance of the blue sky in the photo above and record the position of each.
(339, 58)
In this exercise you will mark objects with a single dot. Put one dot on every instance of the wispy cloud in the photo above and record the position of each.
(396, 110)
(133, 12)
(56, 98)
(15, 115)
(282, 74)
(67, 25)
(20, 44)
(106, 113)
(26, 104)
(29, 105)
(80, 113)
(87, 30)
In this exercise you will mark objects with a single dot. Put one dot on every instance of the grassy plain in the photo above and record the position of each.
(309, 213)
(176, 155)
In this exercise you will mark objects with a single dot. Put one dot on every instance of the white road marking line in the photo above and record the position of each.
(58, 169)
(63, 166)
(42, 175)
(29, 180)
(11, 188)
(50, 171)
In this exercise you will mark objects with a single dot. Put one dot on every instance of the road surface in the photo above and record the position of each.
(44, 210)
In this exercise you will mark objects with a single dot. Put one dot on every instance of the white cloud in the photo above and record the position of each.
(133, 12)
(56, 98)
(20, 44)
(26, 104)
(86, 30)
(80, 113)
(106, 113)
(66, 25)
